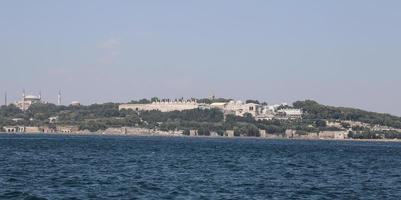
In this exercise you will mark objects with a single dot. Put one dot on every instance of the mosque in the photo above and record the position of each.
(28, 100)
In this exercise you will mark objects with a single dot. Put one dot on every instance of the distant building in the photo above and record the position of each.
(48, 129)
(238, 108)
(32, 129)
(10, 129)
(290, 133)
(264, 116)
(333, 135)
(27, 101)
(214, 134)
(67, 129)
(17, 119)
(165, 106)
(262, 133)
(21, 129)
(334, 124)
(258, 111)
(218, 105)
(53, 120)
(193, 133)
(75, 103)
(229, 133)
(290, 113)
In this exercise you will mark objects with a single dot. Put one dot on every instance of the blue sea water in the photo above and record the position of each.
(111, 167)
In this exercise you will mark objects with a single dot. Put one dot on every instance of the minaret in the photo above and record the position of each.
(59, 98)
(40, 95)
(23, 100)
(5, 98)
(212, 97)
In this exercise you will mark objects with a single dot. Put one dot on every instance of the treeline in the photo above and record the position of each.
(314, 110)
(375, 135)
(39, 114)
(205, 121)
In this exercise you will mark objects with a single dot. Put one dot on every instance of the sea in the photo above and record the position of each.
(125, 167)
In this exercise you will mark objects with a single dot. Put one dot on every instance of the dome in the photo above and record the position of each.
(31, 97)
(75, 103)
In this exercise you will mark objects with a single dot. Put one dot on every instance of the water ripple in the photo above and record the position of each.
(96, 167)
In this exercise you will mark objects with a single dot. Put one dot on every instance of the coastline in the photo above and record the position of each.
(204, 137)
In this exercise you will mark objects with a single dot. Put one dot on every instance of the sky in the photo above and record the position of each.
(337, 52)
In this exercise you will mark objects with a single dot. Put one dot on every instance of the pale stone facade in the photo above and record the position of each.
(258, 111)
(290, 113)
(309, 136)
(229, 133)
(139, 131)
(48, 130)
(238, 108)
(218, 105)
(193, 133)
(333, 134)
(10, 129)
(334, 124)
(214, 134)
(289, 133)
(22, 129)
(265, 117)
(66, 129)
(75, 103)
(32, 129)
(262, 133)
(162, 106)
(27, 101)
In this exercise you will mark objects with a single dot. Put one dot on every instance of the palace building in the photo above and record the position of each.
(163, 106)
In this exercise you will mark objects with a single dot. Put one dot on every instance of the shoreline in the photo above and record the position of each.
(211, 137)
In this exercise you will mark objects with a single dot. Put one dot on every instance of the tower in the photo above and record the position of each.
(212, 97)
(5, 98)
(59, 98)
(23, 100)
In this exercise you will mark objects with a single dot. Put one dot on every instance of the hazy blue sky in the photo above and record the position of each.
(339, 52)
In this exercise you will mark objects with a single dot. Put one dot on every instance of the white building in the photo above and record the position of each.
(75, 103)
(333, 134)
(166, 106)
(218, 105)
(27, 101)
(259, 112)
(290, 113)
(238, 108)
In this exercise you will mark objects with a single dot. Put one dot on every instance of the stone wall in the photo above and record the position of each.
(161, 106)
(229, 133)
(333, 134)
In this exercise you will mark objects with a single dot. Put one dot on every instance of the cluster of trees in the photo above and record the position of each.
(375, 135)
(39, 114)
(315, 110)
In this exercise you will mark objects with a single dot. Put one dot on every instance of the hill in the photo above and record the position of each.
(314, 110)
